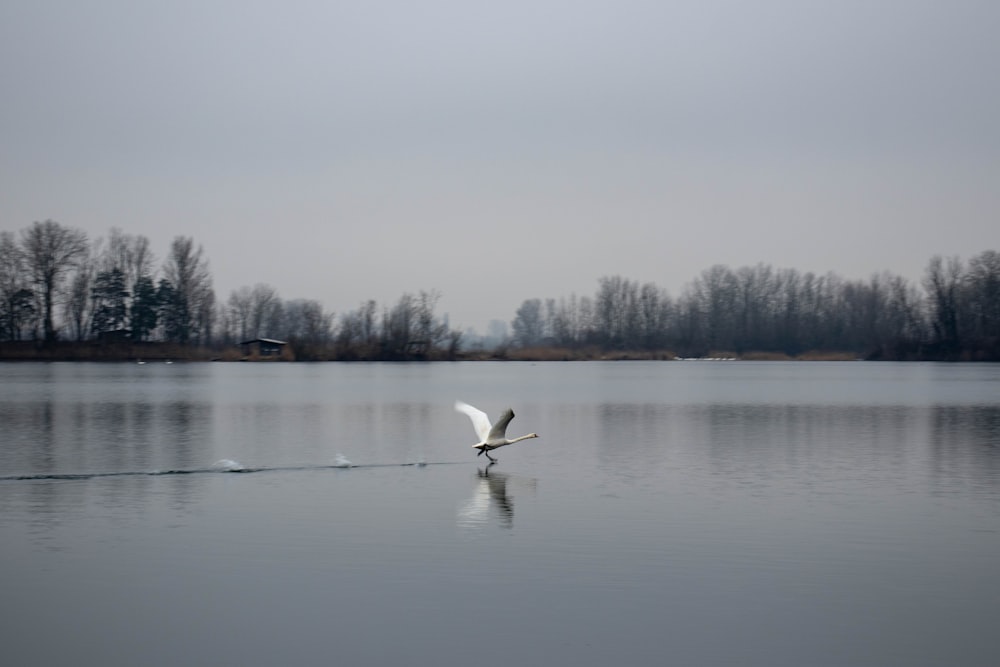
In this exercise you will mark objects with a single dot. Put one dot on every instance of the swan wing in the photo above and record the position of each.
(499, 430)
(480, 421)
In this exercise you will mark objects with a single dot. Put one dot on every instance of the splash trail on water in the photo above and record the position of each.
(224, 466)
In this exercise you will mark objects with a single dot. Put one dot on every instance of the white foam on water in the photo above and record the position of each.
(227, 464)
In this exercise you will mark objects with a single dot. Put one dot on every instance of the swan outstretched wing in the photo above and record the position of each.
(480, 421)
(499, 430)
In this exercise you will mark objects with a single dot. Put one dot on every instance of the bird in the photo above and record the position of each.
(490, 436)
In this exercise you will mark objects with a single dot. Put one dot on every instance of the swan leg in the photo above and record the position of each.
(490, 457)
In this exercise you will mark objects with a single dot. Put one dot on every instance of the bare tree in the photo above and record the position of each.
(17, 303)
(78, 303)
(189, 310)
(430, 330)
(265, 311)
(51, 251)
(358, 334)
(755, 302)
(942, 280)
(239, 307)
(398, 327)
(715, 290)
(306, 321)
(348, 335)
(130, 254)
(528, 323)
(563, 320)
(654, 316)
(982, 288)
(204, 316)
(367, 327)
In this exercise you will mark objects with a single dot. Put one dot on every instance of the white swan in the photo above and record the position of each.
(490, 436)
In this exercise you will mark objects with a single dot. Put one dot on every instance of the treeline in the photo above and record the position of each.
(953, 314)
(410, 329)
(58, 286)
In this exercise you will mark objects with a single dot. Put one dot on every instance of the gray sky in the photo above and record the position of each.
(500, 151)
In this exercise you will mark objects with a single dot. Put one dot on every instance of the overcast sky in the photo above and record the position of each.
(500, 151)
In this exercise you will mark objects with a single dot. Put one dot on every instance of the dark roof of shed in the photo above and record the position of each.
(264, 340)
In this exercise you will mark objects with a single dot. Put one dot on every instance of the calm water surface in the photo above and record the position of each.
(677, 513)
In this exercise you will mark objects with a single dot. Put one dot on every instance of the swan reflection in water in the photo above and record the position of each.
(492, 491)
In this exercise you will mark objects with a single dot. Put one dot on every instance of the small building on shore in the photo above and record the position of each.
(114, 336)
(263, 347)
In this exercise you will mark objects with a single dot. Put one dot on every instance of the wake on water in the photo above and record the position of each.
(220, 466)
(228, 465)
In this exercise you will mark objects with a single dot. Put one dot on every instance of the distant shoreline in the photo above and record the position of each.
(96, 351)
(162, 352)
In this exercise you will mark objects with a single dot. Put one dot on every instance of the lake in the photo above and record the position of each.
(671, 513)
